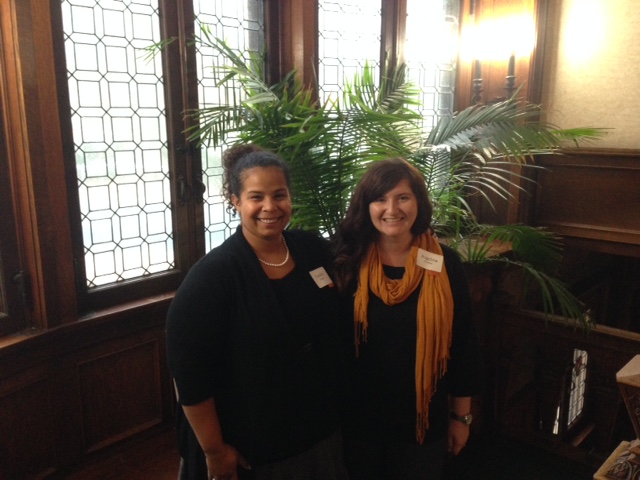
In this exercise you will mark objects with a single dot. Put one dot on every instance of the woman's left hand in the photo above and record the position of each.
(457, 436)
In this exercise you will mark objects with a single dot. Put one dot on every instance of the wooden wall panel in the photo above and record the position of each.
(120, 393)
(593, 196)
(72, 393)
(27, 434)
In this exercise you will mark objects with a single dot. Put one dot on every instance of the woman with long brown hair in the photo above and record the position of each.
(416, 353)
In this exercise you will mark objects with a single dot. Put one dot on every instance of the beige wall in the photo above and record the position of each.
(592, 68)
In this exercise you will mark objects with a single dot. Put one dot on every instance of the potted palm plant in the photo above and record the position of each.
(328, 146)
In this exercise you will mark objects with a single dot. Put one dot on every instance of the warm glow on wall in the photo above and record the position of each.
(584, 31)
(496, 39)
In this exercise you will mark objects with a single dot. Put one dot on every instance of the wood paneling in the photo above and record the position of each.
(120, 393)
(530, 364)
(72, 393)
(27, 437)
(592, 196)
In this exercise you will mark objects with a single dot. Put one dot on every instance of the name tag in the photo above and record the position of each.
(321, 277)
(432, 262)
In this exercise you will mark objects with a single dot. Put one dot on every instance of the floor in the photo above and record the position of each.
(157, 459)
(503, 459)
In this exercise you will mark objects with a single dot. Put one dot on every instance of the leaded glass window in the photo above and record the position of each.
(348, 38)
(119, 132)
(430, 54)
(240, 24)
(118, 115)
(577, 389)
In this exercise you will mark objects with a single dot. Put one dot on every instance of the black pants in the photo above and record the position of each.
(393, 460)
(323, 461)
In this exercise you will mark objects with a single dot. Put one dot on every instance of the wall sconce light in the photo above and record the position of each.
(477, 83)
(510, 81)
(484, 42)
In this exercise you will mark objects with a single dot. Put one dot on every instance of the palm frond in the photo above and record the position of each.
(555, 297)
(536, 253)
(505, 129)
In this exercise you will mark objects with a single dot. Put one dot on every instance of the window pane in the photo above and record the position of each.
(348, 37)
(577, 389)
(430, 52)
(241, 24)
(119, 132)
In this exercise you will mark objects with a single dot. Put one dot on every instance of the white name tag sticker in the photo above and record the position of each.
(432, 262)
(321, 277)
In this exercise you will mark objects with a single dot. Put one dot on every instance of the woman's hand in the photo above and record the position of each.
(223, 463)
(222, 459)
(457, 436)
(458, 431)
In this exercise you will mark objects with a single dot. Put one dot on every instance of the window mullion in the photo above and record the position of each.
(181, 96)
(394, 21)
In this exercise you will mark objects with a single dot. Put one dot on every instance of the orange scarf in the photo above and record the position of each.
(433, 323)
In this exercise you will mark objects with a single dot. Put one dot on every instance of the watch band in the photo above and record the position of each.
(466, 419)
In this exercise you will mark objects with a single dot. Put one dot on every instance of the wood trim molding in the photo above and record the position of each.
(294, 23)
(394, 26)
(34, 133)
(591, 196)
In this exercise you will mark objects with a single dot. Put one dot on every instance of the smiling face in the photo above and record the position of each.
(264, 204)
(394, 213)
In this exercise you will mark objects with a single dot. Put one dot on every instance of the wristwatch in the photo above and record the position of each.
(466, 419)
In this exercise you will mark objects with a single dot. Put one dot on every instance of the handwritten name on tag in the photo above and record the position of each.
(430, 261)
(321, 277)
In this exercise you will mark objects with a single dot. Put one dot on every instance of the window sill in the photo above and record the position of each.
(113, 320)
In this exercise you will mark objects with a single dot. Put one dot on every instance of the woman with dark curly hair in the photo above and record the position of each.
(253, 341)
(416, 354)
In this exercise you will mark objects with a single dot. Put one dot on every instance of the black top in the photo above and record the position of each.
(384, 374)
(268, 351)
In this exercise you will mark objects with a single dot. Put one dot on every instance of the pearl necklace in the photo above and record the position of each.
(286, 259)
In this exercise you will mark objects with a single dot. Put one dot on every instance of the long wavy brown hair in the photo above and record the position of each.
(356, 231)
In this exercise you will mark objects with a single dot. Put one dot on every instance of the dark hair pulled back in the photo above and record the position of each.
(237, 159)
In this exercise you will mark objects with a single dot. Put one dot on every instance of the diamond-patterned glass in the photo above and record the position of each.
(430, 54)
(241, 24)
(578, 385)
(119, 132)
(348, 38)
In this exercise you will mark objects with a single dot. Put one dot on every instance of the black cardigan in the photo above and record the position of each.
(384, 398)
(275, 372)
